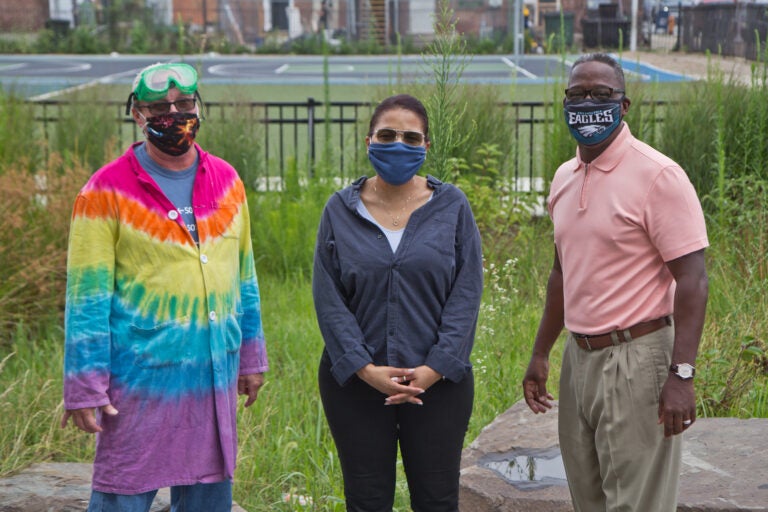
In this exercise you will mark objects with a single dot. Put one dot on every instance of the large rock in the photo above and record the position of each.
(514, 465)
(59, 487)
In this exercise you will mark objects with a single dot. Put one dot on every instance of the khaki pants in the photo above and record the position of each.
(615, 454)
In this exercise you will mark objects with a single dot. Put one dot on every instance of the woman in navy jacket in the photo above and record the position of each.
(397, 284)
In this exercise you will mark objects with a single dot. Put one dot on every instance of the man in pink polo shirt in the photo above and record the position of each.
(629, 284)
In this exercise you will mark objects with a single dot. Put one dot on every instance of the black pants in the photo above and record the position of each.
(367, 434)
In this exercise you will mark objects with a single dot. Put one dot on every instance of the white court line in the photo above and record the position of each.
(66, 68)
(514, 66)
(215, 70)
(99, 81)
(10, 67)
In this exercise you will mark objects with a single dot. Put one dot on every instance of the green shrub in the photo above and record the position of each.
(84, 40)
(284, 224)
(86, 132)
(20, 144)
(236, 137)
(717, 131)
(36, 210)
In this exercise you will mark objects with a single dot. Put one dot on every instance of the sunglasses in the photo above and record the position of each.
(390, 135)
(163, 107)
(600, 93)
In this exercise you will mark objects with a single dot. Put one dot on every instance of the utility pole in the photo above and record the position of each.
(517, 32)
(633, 29)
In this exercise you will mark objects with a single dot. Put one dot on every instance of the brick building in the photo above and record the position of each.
(248, 22)
(23, 15)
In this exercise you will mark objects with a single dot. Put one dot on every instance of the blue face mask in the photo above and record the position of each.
(396, 163)
(590, 122)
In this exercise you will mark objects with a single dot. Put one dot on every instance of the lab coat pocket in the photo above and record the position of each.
(233, 334)
(160, 345)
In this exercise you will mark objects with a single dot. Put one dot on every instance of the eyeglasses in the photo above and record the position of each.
(390, 135)
(600, 93)
(163, 107)
(154, 81)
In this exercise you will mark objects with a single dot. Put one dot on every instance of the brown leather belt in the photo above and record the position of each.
(598, 341)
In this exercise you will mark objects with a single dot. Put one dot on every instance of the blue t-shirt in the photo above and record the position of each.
(176, 185)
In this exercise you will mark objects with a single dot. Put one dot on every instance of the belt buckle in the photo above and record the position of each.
(585, 339)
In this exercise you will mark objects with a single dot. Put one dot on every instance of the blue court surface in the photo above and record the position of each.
(43, 76)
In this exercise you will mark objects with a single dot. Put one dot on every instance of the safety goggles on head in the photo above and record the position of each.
(390, 135)
(153, 82)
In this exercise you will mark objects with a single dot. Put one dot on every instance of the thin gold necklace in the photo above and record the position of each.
(395, 218)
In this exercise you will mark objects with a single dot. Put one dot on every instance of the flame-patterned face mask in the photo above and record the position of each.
(172, 133)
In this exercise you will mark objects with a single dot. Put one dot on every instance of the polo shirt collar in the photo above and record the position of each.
(610, 158)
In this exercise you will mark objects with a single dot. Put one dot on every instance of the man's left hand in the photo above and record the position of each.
(677, 405)
(250, 385)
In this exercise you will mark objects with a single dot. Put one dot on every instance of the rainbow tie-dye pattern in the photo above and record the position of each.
(161, 327)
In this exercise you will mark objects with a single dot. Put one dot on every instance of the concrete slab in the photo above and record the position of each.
(514, 466)
(59, 487)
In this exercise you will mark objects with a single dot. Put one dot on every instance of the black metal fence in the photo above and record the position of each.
(304, 134)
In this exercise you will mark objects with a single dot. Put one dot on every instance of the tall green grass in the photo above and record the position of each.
(284, 440)
(285, 444)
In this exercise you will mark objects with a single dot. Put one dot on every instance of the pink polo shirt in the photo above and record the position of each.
(617, 220)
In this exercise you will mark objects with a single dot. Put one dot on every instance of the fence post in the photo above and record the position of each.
(679, 24)
(311, 134)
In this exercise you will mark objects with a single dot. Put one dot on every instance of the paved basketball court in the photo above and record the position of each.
(47, 75)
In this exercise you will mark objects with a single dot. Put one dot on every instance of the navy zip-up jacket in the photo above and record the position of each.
(417, 306)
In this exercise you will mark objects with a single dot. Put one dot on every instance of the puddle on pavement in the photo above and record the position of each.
(528, 469)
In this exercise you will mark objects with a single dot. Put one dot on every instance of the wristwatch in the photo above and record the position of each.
(683, 370)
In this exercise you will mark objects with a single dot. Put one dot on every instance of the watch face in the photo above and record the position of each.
(685, 371)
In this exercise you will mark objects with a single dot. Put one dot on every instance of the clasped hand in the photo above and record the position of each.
(401, 385)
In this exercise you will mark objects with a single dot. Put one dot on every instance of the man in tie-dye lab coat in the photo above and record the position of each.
(163, 319)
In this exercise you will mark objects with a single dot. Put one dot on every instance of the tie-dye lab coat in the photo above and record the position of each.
(160, 327)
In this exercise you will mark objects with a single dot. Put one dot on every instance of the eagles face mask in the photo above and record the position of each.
(592, 122)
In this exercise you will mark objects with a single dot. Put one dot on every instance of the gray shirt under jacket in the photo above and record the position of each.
(416, 306)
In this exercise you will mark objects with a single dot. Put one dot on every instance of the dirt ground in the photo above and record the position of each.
(695, 65)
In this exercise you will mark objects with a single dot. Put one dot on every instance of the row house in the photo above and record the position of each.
(249, 22)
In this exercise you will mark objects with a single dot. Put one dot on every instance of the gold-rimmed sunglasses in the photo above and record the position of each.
(390, 135)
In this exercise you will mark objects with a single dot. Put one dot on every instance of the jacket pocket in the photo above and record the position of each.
(160, 345)
(233, 334)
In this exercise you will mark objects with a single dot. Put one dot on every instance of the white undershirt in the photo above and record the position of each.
(393, 235)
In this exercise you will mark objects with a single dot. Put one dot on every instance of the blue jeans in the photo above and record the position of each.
(216, 497)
